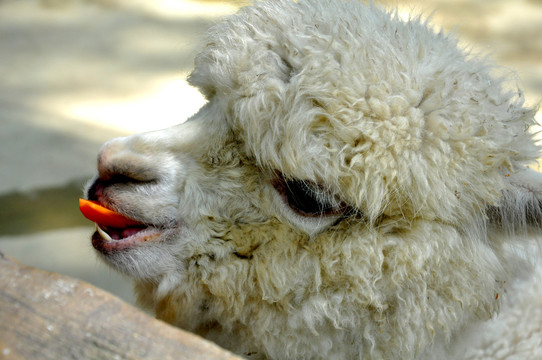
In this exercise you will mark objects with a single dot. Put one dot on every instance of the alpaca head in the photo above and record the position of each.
(352, 177)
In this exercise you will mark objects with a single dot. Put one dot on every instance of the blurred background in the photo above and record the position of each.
(75, 73)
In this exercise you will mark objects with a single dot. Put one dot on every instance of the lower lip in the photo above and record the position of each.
(107, 246)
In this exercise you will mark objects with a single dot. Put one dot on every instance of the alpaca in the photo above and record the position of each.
(356, 187)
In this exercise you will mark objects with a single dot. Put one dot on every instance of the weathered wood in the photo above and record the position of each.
(46, 315)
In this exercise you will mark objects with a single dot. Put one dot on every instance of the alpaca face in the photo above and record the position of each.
(353, 178)
(188, 184)
(178, 181)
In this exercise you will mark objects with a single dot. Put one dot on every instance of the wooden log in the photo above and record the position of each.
(45, 315)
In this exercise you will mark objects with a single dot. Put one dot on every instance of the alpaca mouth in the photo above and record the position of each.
(116, 231)
(107, 239)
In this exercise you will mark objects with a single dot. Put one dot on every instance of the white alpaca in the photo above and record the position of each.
(356, 187)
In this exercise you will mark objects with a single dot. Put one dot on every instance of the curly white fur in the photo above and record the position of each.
(421, 149)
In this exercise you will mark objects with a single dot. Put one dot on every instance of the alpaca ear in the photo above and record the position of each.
(521, 204)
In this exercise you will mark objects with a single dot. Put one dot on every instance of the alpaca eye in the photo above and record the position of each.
(304, 198)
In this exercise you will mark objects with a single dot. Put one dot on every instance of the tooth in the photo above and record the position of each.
(103, 234)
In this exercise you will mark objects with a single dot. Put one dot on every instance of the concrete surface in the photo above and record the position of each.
(74, 73)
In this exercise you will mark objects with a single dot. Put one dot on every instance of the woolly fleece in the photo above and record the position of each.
(421, 151)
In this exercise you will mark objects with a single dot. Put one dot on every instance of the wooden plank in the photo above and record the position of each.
(45, 315)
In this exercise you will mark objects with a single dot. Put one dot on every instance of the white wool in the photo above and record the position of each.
(424, 151)
(367, 104)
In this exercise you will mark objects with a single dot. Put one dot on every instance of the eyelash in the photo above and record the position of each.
(304, 197)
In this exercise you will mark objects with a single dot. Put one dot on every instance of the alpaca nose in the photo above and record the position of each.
(120, 162)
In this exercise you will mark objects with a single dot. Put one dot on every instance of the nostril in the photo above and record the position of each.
(121, 161)
(123, 179)
(96, 190)
(124, 170)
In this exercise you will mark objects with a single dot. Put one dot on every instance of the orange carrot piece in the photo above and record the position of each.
(104, 216)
